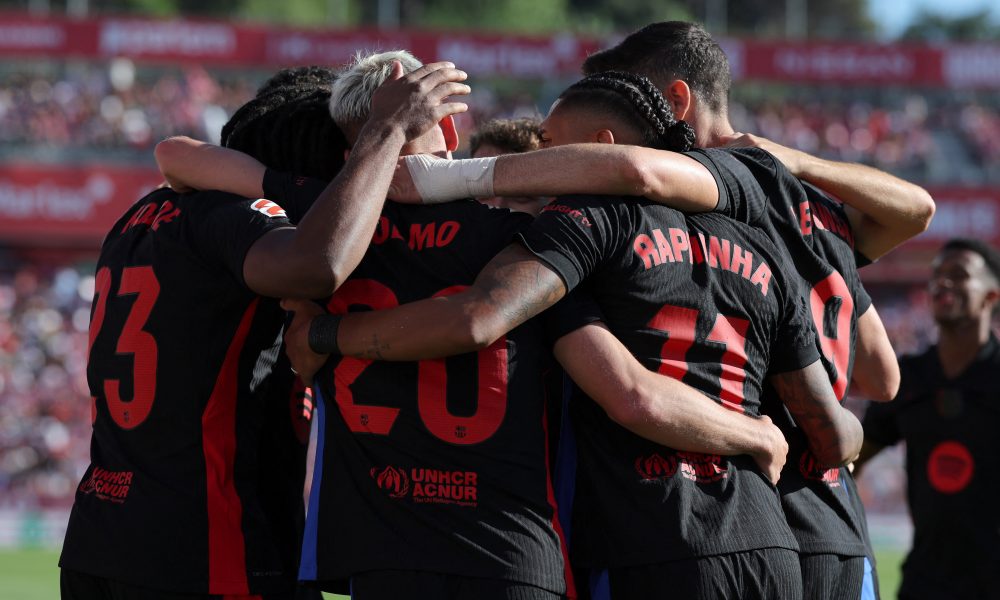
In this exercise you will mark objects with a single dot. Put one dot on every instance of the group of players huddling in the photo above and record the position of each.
(498, 396)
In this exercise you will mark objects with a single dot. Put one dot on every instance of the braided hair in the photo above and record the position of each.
(288, 127)
(637, 102)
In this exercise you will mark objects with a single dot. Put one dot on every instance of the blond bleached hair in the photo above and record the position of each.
(351, 98)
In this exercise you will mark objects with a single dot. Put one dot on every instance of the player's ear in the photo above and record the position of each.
(678, 95)
(992, 298)
(605, 136)
(450, 132)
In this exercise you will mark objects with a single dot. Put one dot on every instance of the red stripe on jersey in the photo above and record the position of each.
(227, 573)
(551, 496)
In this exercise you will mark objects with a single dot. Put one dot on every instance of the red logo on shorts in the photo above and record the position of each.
(267, 208)
(393, 480)
(950, 467)
(654, 467)
(811, 470)
(699, 468)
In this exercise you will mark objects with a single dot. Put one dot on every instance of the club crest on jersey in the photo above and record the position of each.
(699, 468)
(811, 470)
(268, 208)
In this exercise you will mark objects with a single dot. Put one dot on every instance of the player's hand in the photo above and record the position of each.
(791, 158)
(774, 450)
(305, 362)
(415, 102)
(402, 188)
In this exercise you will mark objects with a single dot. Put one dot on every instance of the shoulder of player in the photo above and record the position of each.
(756, 158)
(468, 210)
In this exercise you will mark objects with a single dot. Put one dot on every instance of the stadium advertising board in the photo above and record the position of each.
(221, 42)
(67, 205)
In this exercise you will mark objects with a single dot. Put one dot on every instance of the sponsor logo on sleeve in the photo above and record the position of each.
(268, 208)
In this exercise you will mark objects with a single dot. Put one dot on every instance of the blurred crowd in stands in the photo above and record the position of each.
(66, 111)
(44, 402)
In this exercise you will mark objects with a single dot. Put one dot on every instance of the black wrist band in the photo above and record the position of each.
(323, 334)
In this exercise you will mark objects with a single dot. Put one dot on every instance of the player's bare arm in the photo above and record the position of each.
(666, 177)
(511, 289)
(189, 164)
(313, 259)
(663, 409)
(834, 433)
(876, 370)
(884, 210)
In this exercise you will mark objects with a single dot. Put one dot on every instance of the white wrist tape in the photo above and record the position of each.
(441, 180)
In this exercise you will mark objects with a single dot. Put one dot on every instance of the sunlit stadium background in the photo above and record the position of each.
(88, 87)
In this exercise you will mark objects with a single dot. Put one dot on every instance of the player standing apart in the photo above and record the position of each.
(948, 413)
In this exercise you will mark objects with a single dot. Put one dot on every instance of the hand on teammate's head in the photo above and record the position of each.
(417, 101)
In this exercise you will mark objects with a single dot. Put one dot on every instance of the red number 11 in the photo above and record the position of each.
(680, 324)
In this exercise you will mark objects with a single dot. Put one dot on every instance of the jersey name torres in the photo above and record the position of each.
(704, 299)
(180, 494)
(821, 504)
(437, 465)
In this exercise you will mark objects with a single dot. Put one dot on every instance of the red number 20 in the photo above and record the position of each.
(141, 282)
(432, 402)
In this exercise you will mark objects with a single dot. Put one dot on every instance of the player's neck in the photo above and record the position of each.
(714, 128)
(959, 343)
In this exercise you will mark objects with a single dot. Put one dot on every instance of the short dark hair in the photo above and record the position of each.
(990, 254)
(509, 135)
(288, 128)
(315, 76)
(667, 51)
(635, 101)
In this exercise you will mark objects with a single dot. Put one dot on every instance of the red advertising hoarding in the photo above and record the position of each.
(483, 54)
(53, 205)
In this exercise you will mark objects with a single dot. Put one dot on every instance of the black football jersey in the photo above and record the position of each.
(185, 491)
(706, 300)
(437, 465)
(952, 460)
(821, 505)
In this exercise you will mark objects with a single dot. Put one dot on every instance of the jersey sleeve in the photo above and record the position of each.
(740, 195)
(575, 310)
(294, 193)
(879, 423)
(229, 225)
(795, 344)
(862, 301)
(574, 235)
